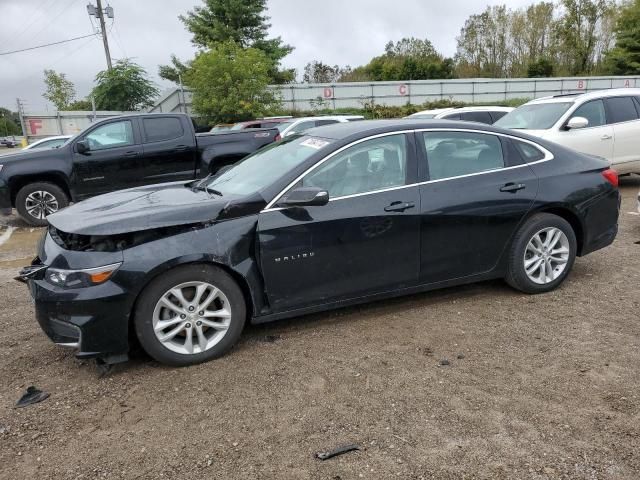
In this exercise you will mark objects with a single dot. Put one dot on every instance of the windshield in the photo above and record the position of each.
(535, 116)
(261, 169)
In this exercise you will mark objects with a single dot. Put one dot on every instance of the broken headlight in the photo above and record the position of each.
(80, 278)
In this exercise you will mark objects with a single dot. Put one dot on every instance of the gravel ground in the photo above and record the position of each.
(537, 387)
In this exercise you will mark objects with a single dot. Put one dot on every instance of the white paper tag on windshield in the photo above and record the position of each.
(316, 143)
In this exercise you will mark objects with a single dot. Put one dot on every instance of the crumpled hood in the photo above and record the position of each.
(147, 208)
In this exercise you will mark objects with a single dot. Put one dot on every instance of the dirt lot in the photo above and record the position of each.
(538, 387)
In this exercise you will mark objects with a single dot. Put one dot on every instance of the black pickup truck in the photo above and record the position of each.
(118, 153)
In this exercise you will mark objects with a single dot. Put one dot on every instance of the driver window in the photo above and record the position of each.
(368, 166)
(111, 135)
(593, 112)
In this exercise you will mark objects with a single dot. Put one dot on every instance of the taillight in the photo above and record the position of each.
(278, 138)
(611, 176)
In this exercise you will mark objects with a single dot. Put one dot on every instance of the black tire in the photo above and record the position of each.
(151, 295)
(52, 189)
(516, 274)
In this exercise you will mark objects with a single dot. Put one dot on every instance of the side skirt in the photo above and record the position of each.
(378, 296)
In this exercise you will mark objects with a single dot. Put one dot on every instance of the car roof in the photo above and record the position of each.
(580, 97)
(364, 128)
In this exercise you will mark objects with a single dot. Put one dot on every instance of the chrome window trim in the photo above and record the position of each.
(547, 157)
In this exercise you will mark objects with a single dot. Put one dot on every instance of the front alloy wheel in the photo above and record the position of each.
(36, 201)
(190, 314)
(192, 317)
(40, 204)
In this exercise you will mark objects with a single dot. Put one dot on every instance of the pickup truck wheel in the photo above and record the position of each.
(36, 201)
(190, 315)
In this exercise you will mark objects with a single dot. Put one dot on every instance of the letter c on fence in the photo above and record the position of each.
(328, 92)
(402, 89)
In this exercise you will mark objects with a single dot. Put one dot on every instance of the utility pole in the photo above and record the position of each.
(22, 124)
(99, 12)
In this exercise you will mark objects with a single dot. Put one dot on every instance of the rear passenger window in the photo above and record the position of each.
(592, 111)
(452, 154)
(529, 152)
(482, 117)
(621, 109)
(163, 128)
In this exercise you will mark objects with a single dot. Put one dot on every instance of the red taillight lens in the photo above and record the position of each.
(278, 138)
(611, 176)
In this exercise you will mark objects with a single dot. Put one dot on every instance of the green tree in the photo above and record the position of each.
(624, 58)
(174, 71)
(81, 105)
(541, 68)
(584, 34)
(230, 83)
(407, 59)
(9, 123)
(242, 21)
(124, 87)
(319, 72)
(60, 91)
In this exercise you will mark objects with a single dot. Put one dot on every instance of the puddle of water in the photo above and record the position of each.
(6, 235)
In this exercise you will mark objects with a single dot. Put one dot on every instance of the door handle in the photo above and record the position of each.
(180, 148)
(130, 154)
(512, 187)
(606, 137)
(398, 207)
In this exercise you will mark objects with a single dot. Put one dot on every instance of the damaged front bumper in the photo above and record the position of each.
(93, 320)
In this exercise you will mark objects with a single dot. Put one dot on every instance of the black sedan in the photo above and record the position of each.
(343, 214)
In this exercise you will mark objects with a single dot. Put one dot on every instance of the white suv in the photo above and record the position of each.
(605, 123)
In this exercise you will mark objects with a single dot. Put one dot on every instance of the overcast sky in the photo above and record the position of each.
(344, 32)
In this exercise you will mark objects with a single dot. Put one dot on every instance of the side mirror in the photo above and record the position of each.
(577, 122)
(306, 197)
(82, 146)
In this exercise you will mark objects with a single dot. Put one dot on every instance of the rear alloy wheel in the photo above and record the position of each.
(190, 315)
(36, 201)
(542, 254)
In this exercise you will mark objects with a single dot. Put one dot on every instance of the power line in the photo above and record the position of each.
(47, 44)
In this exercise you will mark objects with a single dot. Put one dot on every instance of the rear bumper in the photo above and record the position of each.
(601, 220)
